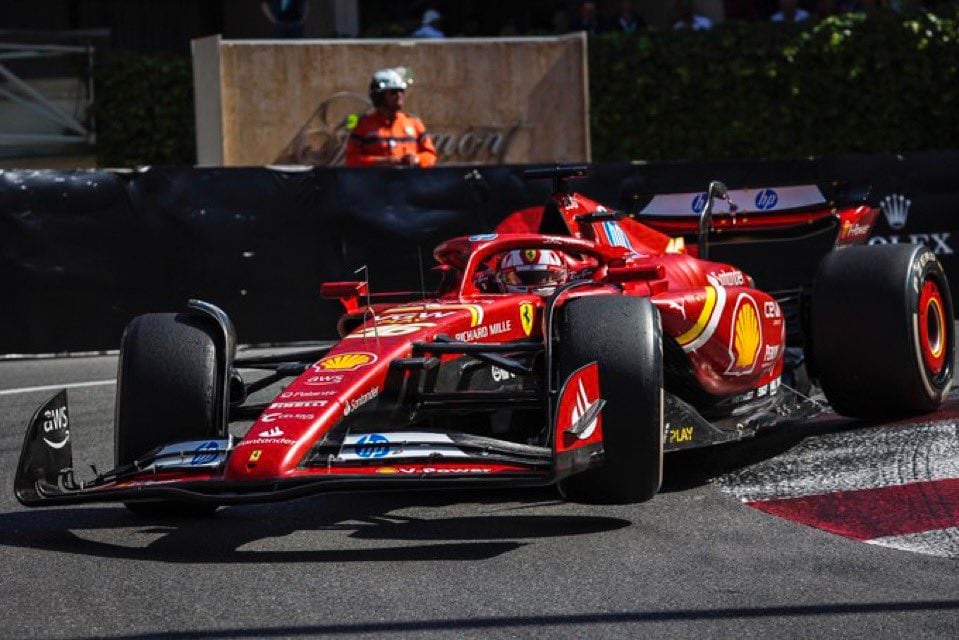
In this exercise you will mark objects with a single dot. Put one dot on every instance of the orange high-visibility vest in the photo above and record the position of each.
(374, 138)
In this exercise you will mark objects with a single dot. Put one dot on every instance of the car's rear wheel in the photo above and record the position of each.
(624, 336)
(883, 342)
(168, 390)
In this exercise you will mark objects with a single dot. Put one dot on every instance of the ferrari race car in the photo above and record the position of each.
(574, 346)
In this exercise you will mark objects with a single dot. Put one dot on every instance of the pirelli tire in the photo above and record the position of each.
(624, 335)
(167, 391)
(882, 333)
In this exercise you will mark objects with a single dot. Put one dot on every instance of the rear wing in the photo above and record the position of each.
(763, 201)
(778, 235)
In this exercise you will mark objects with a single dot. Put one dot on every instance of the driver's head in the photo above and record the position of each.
(387, 88)
(532, 271)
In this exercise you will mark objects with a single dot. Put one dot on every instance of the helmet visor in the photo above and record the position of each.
(534, 278)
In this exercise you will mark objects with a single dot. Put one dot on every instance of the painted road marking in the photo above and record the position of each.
(853, 460)
(937, 542)
(894, 485)
(55, 387)
(874, 513)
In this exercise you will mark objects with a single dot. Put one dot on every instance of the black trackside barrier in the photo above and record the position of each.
(83, 252)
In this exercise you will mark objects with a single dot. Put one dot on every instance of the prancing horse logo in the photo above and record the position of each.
(526, 316)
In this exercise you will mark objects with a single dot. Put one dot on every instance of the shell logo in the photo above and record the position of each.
(747, 337)
(346, 361)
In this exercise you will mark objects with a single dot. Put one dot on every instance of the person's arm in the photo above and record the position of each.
(425, 151)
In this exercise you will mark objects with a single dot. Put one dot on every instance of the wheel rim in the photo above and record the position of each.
(933, 329)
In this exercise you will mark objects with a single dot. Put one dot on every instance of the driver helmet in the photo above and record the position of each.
(532, 271)
(385, 80)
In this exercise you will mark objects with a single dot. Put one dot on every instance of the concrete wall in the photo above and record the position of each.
(485, 101)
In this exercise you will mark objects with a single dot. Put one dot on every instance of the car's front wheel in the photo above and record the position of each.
(624, 336)
(168, 390)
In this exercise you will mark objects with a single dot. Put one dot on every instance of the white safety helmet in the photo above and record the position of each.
(532, 271)
(385, 80)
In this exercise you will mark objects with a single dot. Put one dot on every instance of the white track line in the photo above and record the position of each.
(938, 542)
(53, 387)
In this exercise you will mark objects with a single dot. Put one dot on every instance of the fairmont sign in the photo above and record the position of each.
(321, 141)
(504, 101)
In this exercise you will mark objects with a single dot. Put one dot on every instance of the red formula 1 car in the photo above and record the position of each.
(575, 351)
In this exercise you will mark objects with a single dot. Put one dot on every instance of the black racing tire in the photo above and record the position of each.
(168, 390)
(624, 335)
(882, 336)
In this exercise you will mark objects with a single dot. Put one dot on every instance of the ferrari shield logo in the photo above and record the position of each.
(530, 256)
(526, 316)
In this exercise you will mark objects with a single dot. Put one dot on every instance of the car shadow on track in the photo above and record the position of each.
(348, 526)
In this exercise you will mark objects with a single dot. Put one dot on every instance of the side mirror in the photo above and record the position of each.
(347, 292)
(337, 290)
(719, 190)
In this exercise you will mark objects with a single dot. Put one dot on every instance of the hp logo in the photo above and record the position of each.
(766, 199)
(373, 446)
(205, 453)
(699, 201)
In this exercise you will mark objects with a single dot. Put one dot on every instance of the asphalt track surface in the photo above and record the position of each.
(696, 561)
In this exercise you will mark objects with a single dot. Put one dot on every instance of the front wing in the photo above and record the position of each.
(192, 471)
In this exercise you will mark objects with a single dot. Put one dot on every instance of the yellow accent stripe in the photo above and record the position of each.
(476, 314)
(703, 319)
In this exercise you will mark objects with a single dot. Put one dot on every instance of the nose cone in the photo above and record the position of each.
(280, 437)
(307, 409)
